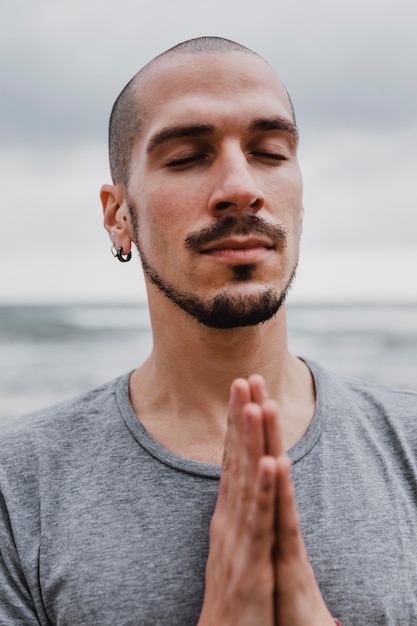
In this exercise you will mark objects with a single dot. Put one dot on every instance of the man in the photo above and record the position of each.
(165, 497)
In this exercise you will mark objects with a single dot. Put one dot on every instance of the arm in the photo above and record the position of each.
(16, 604)
(20, 597)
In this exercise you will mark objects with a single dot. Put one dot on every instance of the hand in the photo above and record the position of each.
(258, 571)
(298, 599)
(240, 571)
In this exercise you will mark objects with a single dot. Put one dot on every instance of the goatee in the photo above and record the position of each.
(225, 310)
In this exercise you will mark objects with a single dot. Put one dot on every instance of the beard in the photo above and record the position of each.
(225, 310)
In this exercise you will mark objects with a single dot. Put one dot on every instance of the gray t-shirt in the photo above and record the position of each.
(100, 525)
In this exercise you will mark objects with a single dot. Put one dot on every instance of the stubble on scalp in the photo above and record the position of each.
(127, 112)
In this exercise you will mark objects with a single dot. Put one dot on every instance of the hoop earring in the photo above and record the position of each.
(118, 254)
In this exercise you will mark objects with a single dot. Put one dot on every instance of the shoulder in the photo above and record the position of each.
(359, 390)
(382, 396)
(56, 428)
(389, 411)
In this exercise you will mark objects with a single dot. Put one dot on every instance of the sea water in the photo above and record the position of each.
(50, 353)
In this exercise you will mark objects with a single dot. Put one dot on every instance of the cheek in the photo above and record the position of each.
(293, 185)
(287, 202)
(170, 210)
(162, 224)
(160, 203)
(285, 184)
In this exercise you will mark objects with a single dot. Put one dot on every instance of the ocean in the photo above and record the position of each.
(50, 353)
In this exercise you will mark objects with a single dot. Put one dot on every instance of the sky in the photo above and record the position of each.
(351, 70)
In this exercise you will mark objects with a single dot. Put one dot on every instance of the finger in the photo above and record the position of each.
(254, 442)
(289, 542)
(251, 448)
(239, 397)
(257, 388)
(273, 432)
(262, 515)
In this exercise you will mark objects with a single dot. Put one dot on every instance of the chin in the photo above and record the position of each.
(244, 302)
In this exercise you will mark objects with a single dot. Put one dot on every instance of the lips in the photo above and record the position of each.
(238, 244)
(232, 232)
(238, 249)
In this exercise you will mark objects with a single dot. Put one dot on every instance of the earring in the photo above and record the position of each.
(118, 253)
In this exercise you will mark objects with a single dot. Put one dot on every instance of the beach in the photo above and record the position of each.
(51, 353)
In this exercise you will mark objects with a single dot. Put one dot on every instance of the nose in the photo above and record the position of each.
(235, 189)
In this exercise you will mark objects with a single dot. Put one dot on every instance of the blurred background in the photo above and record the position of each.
(71, 316)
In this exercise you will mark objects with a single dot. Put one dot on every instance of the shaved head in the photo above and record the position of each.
(127, 113)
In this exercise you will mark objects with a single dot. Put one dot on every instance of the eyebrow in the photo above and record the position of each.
(275, 123)
(177, 132)
(257, 125)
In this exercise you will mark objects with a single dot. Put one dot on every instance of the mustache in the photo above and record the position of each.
(231, 225)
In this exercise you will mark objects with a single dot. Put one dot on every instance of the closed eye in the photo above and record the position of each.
(186, 160)
(270, 155)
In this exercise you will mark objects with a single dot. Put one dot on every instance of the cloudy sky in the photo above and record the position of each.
(351, 68)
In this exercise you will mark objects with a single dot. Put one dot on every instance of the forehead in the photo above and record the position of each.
(201, 87)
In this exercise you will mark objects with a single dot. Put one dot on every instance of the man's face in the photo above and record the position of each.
(215, 190)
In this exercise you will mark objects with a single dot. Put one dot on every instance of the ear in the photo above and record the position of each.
(116, 216)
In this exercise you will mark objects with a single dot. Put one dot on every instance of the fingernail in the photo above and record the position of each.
(266, 479)
(233, 393)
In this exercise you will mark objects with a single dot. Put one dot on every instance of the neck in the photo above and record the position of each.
(188, 375)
